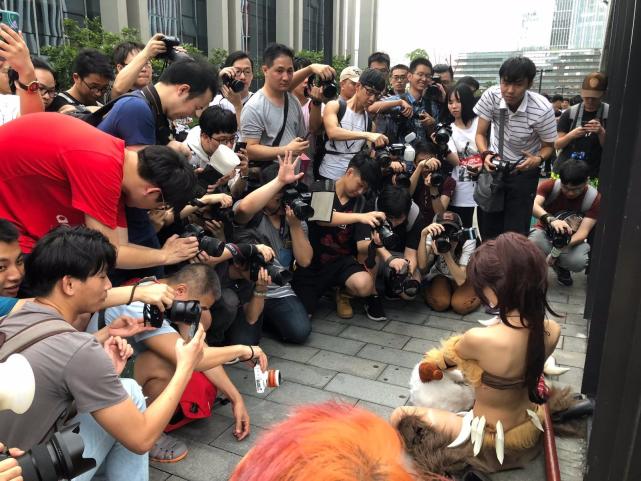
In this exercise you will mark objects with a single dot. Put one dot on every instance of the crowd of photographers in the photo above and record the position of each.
(217, 213)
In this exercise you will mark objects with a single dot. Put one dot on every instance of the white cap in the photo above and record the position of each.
(224, 159)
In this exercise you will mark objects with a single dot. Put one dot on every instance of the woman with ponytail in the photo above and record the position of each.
(502, 361)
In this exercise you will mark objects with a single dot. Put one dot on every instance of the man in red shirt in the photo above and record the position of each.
(57, 170)
(570, 194)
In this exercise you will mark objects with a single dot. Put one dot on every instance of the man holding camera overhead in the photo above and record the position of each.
(526, 120)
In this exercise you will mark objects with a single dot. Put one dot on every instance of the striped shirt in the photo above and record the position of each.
(532, 122)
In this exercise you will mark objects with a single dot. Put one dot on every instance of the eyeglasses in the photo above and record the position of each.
(146, 64)
(225, 139)
(163, 205)
(399, 78)
(246, 72)
(371, 92)
(44, 90)
(93, 88)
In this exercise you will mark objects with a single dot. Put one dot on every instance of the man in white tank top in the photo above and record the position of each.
(347, 135)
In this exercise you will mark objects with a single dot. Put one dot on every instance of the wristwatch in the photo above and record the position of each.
(31, 87)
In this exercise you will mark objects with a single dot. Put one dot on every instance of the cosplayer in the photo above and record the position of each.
(503, 363)
(329, 442)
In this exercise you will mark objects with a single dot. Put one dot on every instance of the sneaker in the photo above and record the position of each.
(168, 449)
(343, 306)
(374, 308)
(563, 276)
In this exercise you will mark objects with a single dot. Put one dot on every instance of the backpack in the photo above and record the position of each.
(588, 199)
(195, 403)
(163, 131)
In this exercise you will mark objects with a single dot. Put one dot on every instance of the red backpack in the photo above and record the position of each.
(196, 402)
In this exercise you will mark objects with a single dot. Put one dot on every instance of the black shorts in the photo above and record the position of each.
(310, 283)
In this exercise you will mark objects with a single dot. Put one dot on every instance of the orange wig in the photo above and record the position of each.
(328, 442)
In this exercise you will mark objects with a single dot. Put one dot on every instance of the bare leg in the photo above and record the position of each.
(153, 373)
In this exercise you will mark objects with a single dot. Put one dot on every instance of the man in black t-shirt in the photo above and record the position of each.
(334, 243)
(582, 127)
(396, 256)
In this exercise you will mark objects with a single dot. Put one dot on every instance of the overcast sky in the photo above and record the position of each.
(449, 27)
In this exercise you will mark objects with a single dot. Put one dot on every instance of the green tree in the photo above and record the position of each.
(318, 56)
(416, 53)
(217, 56)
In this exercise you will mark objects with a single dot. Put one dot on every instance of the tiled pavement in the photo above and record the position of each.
(366, 363)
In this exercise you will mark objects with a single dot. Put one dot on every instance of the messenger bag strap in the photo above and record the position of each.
(279, 136)
(32, 334)
(502, 116)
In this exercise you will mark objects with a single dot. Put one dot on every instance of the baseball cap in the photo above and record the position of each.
(594, 85)
(352, 73)
(449, 218)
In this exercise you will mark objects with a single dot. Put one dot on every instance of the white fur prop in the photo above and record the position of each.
(451, 393)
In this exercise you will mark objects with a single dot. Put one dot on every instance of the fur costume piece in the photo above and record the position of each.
(452, 393)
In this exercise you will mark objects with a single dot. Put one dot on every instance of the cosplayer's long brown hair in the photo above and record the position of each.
(516, 270)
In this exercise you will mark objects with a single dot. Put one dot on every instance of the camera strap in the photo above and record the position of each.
(32, 334)
(279, 136)
(502, 116)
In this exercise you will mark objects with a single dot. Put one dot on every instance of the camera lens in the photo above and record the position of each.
(437, 179)
(211, 246)
(443, 244)
(279, 275)
(301, 210)
(234, 84)
(387, 235)
(329, 90)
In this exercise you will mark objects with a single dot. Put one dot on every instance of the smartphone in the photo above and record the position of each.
(10, 19)
(239, 145)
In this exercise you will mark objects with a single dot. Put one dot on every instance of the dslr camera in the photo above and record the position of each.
(279, 274)
(299, 199)
(330, 90)
(442, 133)
(184, 312)
(445, 239)
(433, 92)
(209, 245)
(171, 54)
(501, 165)
(400, 282)
(58, 458)
(562, 239)
(233, 83)
(387, 235)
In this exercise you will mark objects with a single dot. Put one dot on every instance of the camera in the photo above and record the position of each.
(559, 239)
(210, 245)
(388, 153)
(279, 274)
(387, 235)
(270, 378)
(171, 54)
(400, 282)
(502, 166)
(403, 180)
(444, 240)
(299, 200)
(442, 133)
(185, 312)
(437, 178)
(329, 86)
(234, 84)
(58, 458)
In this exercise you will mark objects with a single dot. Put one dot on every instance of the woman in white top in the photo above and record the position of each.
(461, 104)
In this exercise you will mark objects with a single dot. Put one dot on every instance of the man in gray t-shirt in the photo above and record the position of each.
(262, 116)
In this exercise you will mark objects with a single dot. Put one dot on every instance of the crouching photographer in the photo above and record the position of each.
(275, 215)
(391, 248)
(445, 249)
(68, 273)
(196, 288)
(567, 209)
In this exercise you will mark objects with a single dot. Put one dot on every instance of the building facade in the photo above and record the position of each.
(579, 24)
(210, 24)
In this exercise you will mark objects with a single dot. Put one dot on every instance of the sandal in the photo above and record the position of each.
(168, 449)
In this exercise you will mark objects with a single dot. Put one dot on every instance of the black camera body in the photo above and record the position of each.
(234, 84)
(171, 55)
(58, 458)
(400, 282)
(210, 245)
(184, 312)
(501, 165)
(299, 199)
(444, 240)
(442, 133)
(437, 178)
(559, 239)
(279, 275)
(330, 90)
(387, 235)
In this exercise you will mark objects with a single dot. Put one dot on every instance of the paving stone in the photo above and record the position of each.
(567, 308)
(572, 378)
(445, 314)
(287, 351)
(556, 296)
(574, 330)
(403, 315)
(532, 472)
(358, 320)
(420, 345)
(399, 376)
(243, 378)
(301, 373)
(575, 344)
(347, 364)
(477, 316)
(176, 478)
(262, 413)
(576, 319)
(157, 475)
(335, 344)
(227, 442)
(389, 355)
(327, 327)
(569, 358)
(383, 411)
(203, 463)
(205, 430)
(456, 325)
(368, 390)
(423, 332)
(375, 337)
(292, 394)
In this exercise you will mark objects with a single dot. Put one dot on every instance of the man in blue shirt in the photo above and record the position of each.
(185, 86)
